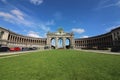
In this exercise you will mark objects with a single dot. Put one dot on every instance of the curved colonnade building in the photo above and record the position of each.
(97, 42)
(11, 39)
(104, 41)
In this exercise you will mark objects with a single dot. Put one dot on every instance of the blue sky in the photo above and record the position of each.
(83, 17)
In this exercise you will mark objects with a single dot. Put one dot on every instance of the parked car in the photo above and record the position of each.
(12, 49)
(25, 49)
(33, 48)
(15, 49)
(4, 49)
(46, 47)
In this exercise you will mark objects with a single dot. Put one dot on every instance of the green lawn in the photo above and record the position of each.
(61, 65)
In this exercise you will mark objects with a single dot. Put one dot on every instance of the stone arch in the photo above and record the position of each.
(60, 43)
(67, 43)
(52, 42)
(60, 34)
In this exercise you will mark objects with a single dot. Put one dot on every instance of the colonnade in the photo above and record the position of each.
(108, 40)
(29, 40)
(116, 37)
(98, 42)
(25, 41)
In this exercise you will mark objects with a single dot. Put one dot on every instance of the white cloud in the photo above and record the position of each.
(4, 1)
(78, 30)
(33, 34)
(18, 13)
(44, 27)
(15, 16)
(52, 22)
(107, 3)
(118, 3)
(6, 15)
(36, 2)
(84, 36)
(113, 27)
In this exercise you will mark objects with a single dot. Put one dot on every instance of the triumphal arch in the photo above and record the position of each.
(60, 34)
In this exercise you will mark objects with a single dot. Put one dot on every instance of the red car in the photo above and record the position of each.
(12, 49)
(15, 49)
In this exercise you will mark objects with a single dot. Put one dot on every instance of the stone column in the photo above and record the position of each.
(56, 42)
(113, 39)
(48, 41)
(64, 40)
(72, 42)
(15, 39)
(62, 43)
(10, 37)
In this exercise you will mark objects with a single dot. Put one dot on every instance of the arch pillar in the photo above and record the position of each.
(64, 41)
(48, 42)
(56, 43)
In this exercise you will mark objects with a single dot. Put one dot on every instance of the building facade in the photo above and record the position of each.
(60, 35)
(98, 42)
(116, 37)
(104, 41)
(11, 39)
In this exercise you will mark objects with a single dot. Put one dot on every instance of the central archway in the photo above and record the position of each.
(60, 39)
(60, 43)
